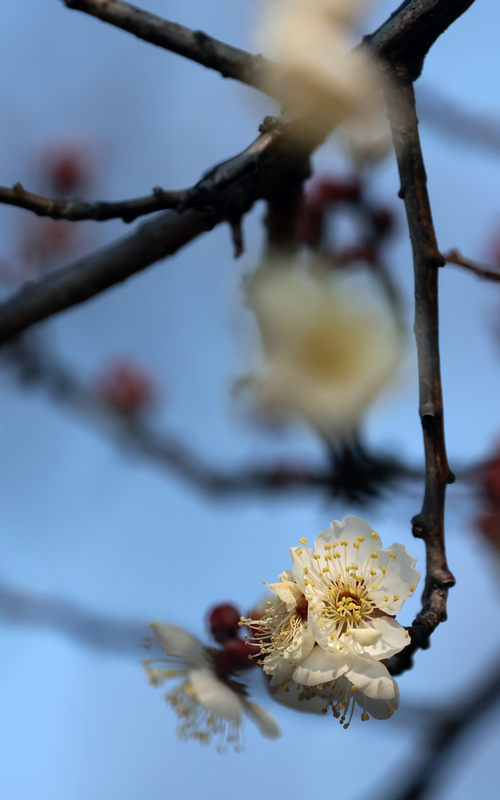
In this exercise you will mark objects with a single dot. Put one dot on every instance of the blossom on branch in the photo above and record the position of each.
(330, 345)
(209, 703)
(334, 624)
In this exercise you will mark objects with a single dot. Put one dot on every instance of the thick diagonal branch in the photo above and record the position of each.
(230, 61)
(225, 193)
(429, 524)
(406, 36)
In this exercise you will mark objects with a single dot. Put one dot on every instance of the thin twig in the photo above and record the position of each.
(429, 524)
(454, 257)
(75, 210)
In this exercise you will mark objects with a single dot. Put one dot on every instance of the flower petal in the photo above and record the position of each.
(289, 697)
(350, 530)
(372, 678)
(300, 561)
(278, 667)
(288, 592)
(379, 709)
(215, 695)
(179, 642)
(366, 636)
(264, 721)
(400, 575)
(321, 666)
(390, 638)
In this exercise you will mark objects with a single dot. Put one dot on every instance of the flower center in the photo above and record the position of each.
(347, 604)
(347, 608)
(326, 355)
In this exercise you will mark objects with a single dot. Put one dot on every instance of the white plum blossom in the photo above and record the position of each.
(354, 588)
(325, 680)
(282, 632)
(326, 636)
(330, 345)
(208, 704)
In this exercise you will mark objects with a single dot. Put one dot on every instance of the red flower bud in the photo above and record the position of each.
(223, 621)
(235, 656)
(489, 525)
(127, 387)
(492, 481)
(383, 221)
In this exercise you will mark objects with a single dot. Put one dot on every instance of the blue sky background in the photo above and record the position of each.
(81, 520)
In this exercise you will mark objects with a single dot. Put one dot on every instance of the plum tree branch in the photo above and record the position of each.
(429, 524)
(269, 163)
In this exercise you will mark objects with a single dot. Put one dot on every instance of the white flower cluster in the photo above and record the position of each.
(325, 637)
(209, 704)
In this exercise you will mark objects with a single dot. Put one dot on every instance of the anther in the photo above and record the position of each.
(303, 540)
(374, 535)
(361, 538)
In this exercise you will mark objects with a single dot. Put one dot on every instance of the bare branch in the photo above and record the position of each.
(195, 45)
(454, 257)
(409, 33)
(429, 524)
(447, 727)
(357, 474)
(225, 193)
(116, 636)
(465, 125)
(90, 275)
(75, 210)
(406, 36)
(234, 184)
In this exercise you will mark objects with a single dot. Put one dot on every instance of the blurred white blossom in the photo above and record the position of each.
(330, 345)
(366, 134)
(209, 704)
(314, 40)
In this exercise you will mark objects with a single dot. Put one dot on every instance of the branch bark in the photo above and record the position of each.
(429, 524)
